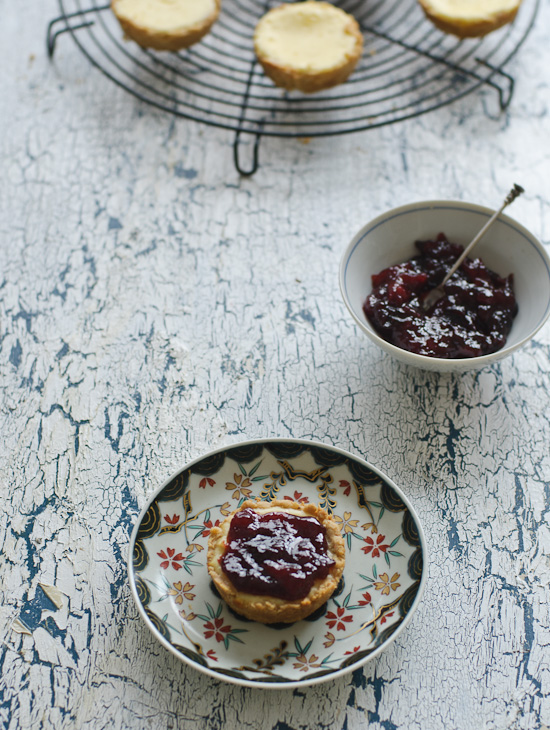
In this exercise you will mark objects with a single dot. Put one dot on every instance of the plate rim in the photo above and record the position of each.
(290, 684)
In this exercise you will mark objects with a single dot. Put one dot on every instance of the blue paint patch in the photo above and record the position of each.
(53, 629)
(452, 534)
(488, 563)
(519, 512)
(63, 274)
(31, 613)
(528, 643)
(187, 173)
(89, 260)
(454, 436)
(358, 679)
(152, 247)
(26, 317)
(162, 384)
(61, 295)
(114, 224)
(62, 352)
(114, 441)
(307, 317)
(304, 315)
(377, 683)
(15, 354)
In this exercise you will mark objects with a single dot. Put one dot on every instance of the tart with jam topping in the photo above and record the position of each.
(276, 561)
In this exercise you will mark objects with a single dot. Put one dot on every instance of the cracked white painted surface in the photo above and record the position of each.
(154, 306)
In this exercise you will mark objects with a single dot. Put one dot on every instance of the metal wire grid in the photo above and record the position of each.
(408, 68)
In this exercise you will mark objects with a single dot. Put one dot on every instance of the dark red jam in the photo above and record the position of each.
(473, 318)
(275, 554)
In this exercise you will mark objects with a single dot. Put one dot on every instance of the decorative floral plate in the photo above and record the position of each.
(381, 587)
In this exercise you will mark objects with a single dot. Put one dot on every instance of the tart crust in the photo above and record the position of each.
(470, 18)
(271, 609)
(308, 46)
(166, 25)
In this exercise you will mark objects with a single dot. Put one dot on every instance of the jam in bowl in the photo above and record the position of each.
(507, 248)
(472, 318)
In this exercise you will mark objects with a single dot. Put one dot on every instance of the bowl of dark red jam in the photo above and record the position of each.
(493, 305)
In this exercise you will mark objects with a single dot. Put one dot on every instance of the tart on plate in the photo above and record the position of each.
(308, 46)
(166, 25)
(470, 18)
(276, 562)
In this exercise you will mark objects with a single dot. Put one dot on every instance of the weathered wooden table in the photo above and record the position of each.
(155, 305)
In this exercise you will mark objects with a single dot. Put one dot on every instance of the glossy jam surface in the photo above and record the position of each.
(275, 554)
(473, 318)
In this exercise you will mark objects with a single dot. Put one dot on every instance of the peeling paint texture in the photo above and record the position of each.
(154, 306)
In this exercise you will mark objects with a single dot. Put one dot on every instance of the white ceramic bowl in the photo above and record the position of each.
(506, 248)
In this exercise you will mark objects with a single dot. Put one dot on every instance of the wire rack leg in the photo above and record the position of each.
(237, 147)
(504, 95)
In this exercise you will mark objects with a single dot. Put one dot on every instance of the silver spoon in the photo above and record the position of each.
(435, 294)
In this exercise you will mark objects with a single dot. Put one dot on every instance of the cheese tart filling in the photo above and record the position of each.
(471, 9)
(309, 36)
(165, 15)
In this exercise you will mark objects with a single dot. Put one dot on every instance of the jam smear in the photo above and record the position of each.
(473, 318)
(275, 554)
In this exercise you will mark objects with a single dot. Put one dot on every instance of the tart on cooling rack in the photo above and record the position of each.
(276, 561)
(166, 25)
(308, 46)
(470, 18)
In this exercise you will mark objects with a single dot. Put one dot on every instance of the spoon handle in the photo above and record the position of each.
(512, 195)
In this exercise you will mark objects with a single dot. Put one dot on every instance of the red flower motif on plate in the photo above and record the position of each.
(216, 629)
(206, 480)
(352, 651)
(298, 497)
(376, 547)
(170, 558)
(208, 525)
(366, 599)
(346, 486)
(338, 619)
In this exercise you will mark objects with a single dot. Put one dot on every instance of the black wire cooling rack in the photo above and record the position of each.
(408, 68)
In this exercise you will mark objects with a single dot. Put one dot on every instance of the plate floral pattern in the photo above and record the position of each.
(380, 588)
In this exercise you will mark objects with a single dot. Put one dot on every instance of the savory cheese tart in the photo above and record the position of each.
(470, 18)
(276, 561)
(166, 25)
(308, 46)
